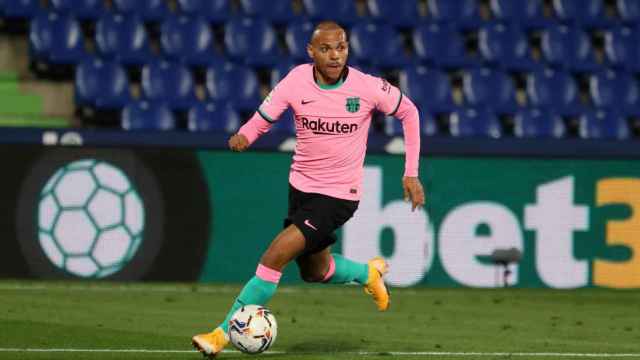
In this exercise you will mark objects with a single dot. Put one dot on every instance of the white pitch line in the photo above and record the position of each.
(337, 353)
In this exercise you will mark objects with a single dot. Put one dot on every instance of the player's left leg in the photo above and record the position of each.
(323, 266)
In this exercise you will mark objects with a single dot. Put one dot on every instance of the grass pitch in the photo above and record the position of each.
(77, 320)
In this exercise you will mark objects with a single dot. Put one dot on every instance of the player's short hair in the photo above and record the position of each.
(326, 25)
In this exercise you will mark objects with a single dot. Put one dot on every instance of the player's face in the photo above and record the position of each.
(329, 50)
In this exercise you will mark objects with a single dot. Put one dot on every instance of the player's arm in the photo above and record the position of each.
(393, 103)
(263, 119)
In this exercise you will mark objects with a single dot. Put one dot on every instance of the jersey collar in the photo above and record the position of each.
(339, 83)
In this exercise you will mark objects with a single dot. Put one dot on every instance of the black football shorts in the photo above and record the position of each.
(318, 217)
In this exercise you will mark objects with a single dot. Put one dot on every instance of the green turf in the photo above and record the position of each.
(317, 322)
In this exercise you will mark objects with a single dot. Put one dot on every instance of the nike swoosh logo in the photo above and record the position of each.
(305, 102)
(306, 222)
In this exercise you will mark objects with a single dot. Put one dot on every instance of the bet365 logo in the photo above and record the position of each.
(565, 243)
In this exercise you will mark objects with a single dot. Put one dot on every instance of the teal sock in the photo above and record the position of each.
(348, 271)
(256, 291)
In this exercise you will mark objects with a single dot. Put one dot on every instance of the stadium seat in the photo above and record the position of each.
(629, 11)
(285, 124)
(538, 123)
(101, 84)
(398, 13)
(377, 44)
(216, 116)
(474, 122)
(617, 90)
(553, 89)
(251, 41)
(234, 83)
(440, 45)
(492, 88)
(526, 13)
(506, 46)
(343, 12)
(214, 11)
(622, 48)
(148, 10)
(277, 11)
(583, 13)
(56, 39)
(603, 125)
(168, 82)
(188, 40)
(281, 70)
(464, 14)
(297, 36)
(428, 123)
(428, 87)
(145, 115)
(123, 38)
(392, 126)
(80, 9)
(19, 9)
(569, 48)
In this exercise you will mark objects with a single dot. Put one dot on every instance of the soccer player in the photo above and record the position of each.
(333, 104)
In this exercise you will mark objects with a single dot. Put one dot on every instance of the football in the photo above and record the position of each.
(253, 329)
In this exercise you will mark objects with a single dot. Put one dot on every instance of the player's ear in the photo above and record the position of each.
(310, 50)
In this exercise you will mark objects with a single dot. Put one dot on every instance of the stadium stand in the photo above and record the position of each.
(497, 68)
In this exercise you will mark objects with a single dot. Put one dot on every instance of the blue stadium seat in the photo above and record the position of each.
(297, 36)
(526, 13)
(629, 11)
(617, 90)
(101, 84)
(377, 44)
(506, 46)
(538, 123)
(343, 12)
(145, 115)
(277, 11)
(463, 13)
(123, 38)
(285, 124)
(214, 11)
(554, 89)
(440, 45)
(428, 123)
(236, 84)
(281, 70)
(492, 88)
(80, 9)
(19, 9)
(603, 125)
(584, 13)
(251, 41)
(56, 39)
(148, 10)
(569, 48)
(428, 87)
(216, 116)
(474, 122)
(188, 40)
(170, 83)
(398, 13)
(622, 48)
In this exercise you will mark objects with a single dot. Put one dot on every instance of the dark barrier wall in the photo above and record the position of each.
(168, 214)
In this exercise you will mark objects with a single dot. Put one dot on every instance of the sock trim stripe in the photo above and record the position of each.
(268, 274)
(331, 271)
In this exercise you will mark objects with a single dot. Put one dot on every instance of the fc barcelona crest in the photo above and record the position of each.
(353, 104)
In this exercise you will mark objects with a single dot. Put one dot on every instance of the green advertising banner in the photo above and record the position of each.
(573, 220)
(159, 214)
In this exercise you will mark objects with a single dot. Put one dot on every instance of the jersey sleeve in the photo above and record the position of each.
(277, 101)
(386, 96)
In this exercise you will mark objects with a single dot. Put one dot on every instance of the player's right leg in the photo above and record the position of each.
(285, 247)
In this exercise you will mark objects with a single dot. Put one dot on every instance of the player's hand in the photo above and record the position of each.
(238, 142)
(413, 192)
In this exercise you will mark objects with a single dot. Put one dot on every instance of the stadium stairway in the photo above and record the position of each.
(24, 100)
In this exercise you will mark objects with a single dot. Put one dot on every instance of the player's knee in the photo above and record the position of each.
(311, 277)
